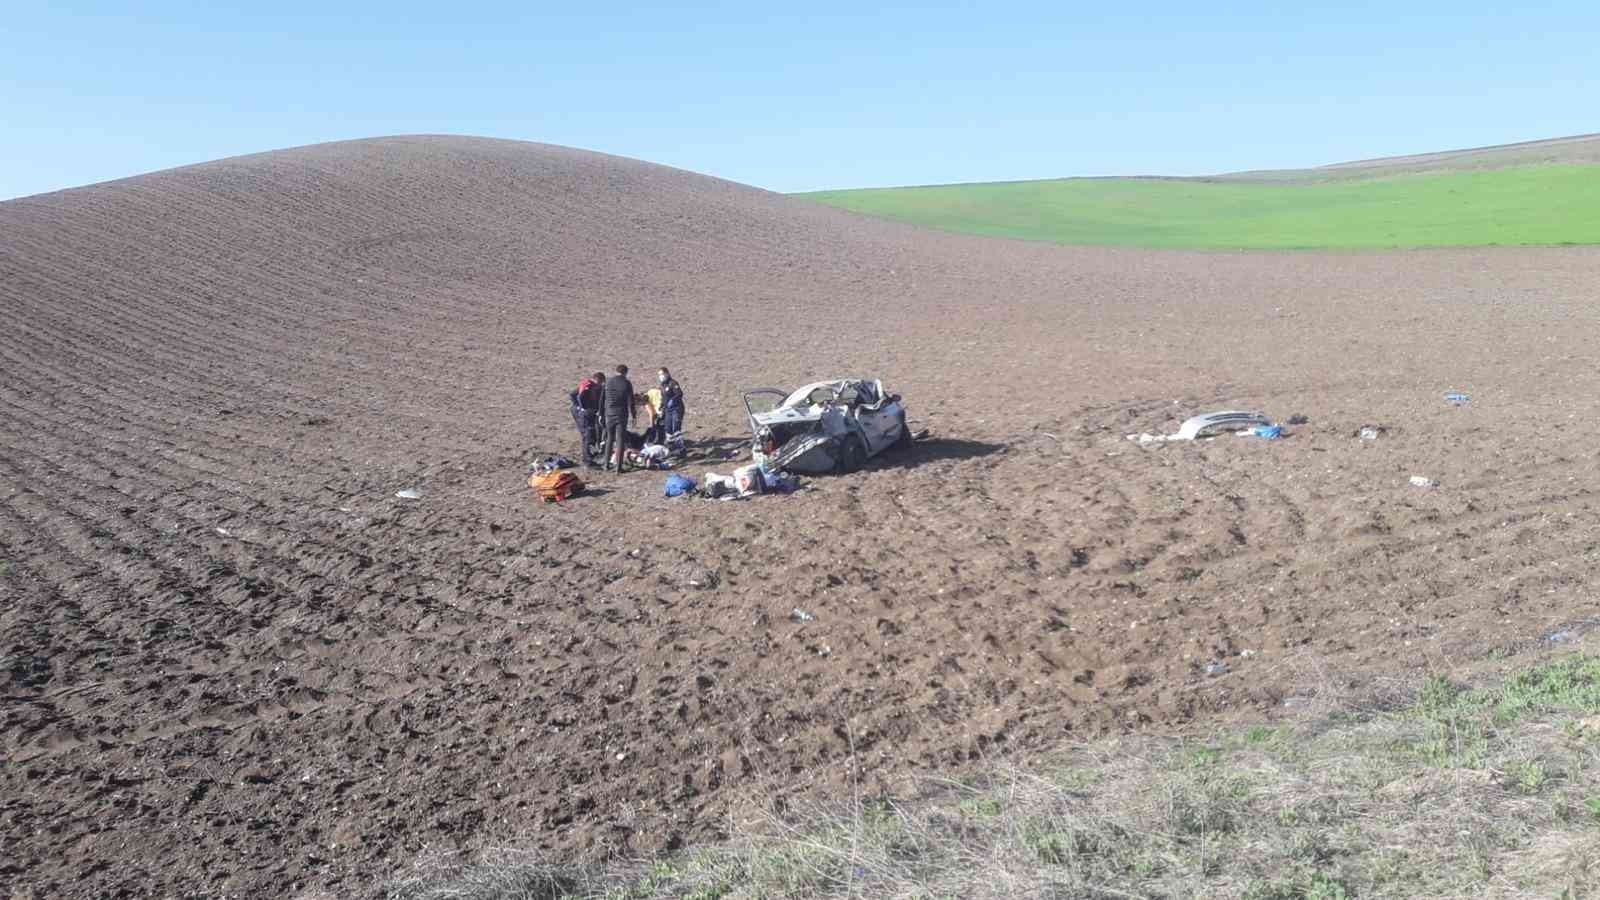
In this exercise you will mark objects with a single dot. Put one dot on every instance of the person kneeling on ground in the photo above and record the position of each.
(618, 410)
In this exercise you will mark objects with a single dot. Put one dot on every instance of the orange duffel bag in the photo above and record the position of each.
(556, 486)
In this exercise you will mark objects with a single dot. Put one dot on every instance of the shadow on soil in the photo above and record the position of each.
(928, 450)
(932, 450)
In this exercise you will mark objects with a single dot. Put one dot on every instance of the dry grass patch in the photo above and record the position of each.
(1493, 792)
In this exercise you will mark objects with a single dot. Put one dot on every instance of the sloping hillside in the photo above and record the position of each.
(1576, 150)
(1538, 193)
(237, 665)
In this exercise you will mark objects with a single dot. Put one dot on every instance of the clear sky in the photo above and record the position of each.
(795, 96)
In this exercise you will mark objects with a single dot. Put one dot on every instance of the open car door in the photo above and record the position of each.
(762, 400)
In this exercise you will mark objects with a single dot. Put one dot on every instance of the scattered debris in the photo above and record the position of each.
(749, 480)
(409, 494)
(779, 482)
(1210, 423)
(1570, 631)
(1267, 432)
(1458, 398)
(800, 615)
(1423, 482)
(1145, 438)
(1216, 667)
(1299, 419)
(1371, 432)
(552, 463)
(679, 485)
(1207, 425)
(827, 426)
(719, 485)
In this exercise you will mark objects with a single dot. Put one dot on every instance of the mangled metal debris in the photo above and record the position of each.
(826, 426)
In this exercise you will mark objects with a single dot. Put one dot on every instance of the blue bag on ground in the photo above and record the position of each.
(678, 485)
(1270, 432)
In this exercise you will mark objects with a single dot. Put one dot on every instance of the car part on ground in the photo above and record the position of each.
(1211, 423)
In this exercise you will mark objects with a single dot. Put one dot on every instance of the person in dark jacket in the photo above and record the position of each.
(617, 410)
(586, 415)
(672, 409)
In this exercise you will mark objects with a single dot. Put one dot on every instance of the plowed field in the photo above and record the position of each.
(236, 665)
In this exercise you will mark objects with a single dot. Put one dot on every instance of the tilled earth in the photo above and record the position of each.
(236, 665)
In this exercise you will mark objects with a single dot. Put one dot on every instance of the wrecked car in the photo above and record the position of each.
(826, 426)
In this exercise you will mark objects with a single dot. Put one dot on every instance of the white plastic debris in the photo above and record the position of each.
(1210, 423)
(1423, 481)
(1207, 425)
(409, 494)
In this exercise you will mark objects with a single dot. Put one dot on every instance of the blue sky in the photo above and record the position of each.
(795, 96)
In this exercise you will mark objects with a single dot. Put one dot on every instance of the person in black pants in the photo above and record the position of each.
(618, 410)
(671, 409)
(586, 415)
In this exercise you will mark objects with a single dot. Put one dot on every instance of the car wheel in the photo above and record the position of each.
(853, 455)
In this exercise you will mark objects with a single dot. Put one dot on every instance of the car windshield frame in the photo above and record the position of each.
(836, 388)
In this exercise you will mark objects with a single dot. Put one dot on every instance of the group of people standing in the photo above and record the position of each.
(603, 408)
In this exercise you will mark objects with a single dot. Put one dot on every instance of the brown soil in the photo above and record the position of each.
(235, 665)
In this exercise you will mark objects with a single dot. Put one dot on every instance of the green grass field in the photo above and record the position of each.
(1557, 204)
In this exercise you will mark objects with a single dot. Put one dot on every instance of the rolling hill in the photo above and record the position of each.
(235, 664)
(1542, 192)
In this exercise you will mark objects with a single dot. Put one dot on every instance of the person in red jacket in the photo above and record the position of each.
(586, 415)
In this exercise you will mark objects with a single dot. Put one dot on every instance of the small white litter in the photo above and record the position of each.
(409, 494)
(1423, 481)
